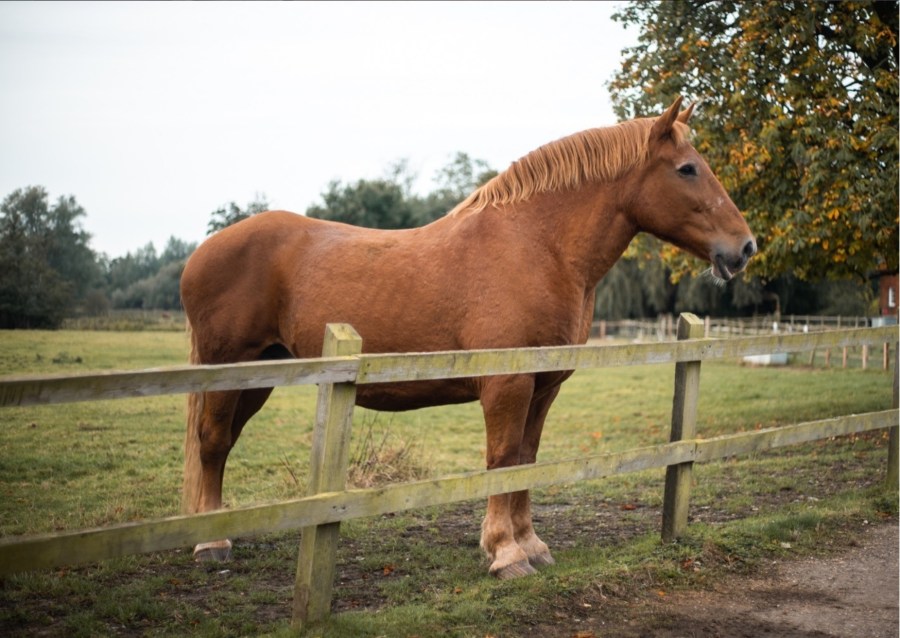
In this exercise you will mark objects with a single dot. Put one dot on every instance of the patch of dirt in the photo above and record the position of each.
(852, 595)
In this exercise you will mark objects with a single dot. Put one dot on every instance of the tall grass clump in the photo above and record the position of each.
(380, 457)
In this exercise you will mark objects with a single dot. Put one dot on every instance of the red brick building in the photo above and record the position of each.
(887, 293)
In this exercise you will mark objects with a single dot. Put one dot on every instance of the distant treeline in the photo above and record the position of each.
(50, 273)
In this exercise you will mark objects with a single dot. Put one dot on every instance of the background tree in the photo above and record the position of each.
(45, 259)
(380, 203)
(798, 118)
(147, 280)
(620, 294)
(454, 182)
(640, 286)
(231, 213)
(389, 202)
(123, 271)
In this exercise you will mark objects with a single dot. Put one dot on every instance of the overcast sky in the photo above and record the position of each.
(153, 115)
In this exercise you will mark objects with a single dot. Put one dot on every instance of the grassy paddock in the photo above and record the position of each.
(129, 321)
(88, 464)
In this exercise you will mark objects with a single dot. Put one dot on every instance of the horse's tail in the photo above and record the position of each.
(190, 491)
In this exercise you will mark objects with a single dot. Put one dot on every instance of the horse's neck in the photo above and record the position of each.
(584, 227)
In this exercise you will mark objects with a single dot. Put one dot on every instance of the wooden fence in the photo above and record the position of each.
(342, 368)
(663, 327)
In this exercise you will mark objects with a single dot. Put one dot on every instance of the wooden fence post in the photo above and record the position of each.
(327, 473)
(684, 426)
(893, 475)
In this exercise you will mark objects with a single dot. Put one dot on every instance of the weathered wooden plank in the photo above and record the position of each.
(21, 391)
(381, 368)
(40, 552)
(762, 440)
(677, 493)
(329, 455)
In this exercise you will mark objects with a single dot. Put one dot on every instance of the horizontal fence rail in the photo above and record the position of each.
(383, 368)
(340, 370)
(663, 327)
(53, 550)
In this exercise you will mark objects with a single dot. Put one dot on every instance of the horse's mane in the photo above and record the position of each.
(594, 155)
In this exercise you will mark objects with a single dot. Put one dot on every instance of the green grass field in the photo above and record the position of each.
(88, 464)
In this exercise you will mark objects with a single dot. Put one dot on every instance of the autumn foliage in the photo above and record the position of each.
(798, 117)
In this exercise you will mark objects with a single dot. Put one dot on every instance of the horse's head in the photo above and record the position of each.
(678, 199)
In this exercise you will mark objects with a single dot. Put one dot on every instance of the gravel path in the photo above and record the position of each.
(853, 595)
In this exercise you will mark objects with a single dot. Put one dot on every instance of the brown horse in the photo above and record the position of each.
(514, 265)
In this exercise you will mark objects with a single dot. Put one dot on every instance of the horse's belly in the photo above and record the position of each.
(411, 395)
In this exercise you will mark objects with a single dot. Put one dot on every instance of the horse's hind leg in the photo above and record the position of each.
(206, 448)
(221, 419)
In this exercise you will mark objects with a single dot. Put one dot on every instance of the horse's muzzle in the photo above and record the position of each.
(726, 265)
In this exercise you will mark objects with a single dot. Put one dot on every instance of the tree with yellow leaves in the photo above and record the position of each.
(798, 117)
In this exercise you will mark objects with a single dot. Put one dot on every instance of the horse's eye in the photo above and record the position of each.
(687, 170)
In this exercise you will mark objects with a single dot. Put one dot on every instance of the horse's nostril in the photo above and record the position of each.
(749, 249)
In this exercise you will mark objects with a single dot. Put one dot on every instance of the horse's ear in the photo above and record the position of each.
(662, 128)
(685, 115)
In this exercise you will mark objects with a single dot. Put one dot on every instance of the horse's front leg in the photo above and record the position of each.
(520, 502)
(505, 402)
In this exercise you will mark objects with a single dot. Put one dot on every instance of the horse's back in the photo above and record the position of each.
(279, 277)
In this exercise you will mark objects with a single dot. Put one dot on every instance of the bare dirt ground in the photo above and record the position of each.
(851, 591)
(851, 595)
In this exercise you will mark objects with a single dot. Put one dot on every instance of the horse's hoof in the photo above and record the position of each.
(541, 560)
(215, 551)
(514, 570)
